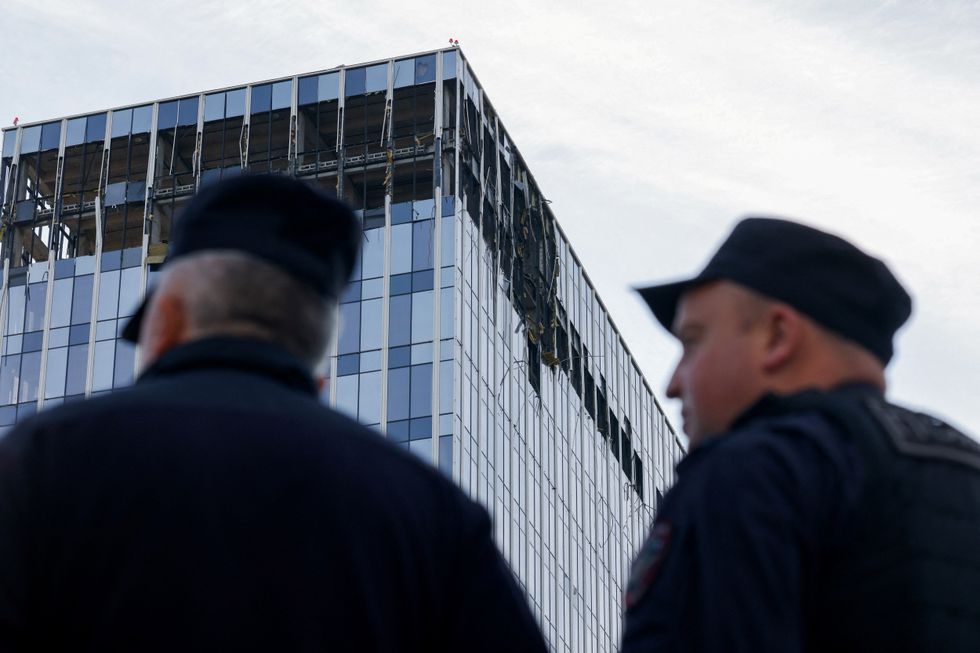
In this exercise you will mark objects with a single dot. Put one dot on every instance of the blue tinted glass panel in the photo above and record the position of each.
(78, 334)
(125, 362)
(129, 291)
(214, 107)
(350, 328)
(420, 427)
(397, 431)
(61, 303)
(32, 341)
(261, 98)
(448, 65)
(422, 449)
(54, 377)
(401, 248)
(400, 321)
(122, 121)
(235, 103)
(36, 294)
(446, 455)
(76, 132)
(95, 128)
(352, 292)
(81, 307)
(446, 312)
(282, 94)
(77, 364)
(30, 141)
(371, 325)
(398, 394)
(354, 84)
(15, 309)
(167, 116)
(424, 209)
(369, 404)
(421, 391)
(399, 357)
(105, 354)
(328, 87)
(401, 213)
(108, 295)
(422, 316)
(423, 280)
(142, 119)
(347, 394)
(30, 372)
(372, 254)
(448, 240)
(307, 91)
(422, 257)
(50, 136)
(446, 387)
(187, 111)
(9, 379)
(425, 69)
(9, 140)
(400, 284)
(404, 73)
(349, 364)
(376, 78)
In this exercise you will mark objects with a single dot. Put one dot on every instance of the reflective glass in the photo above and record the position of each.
(400, 284)
(9, 379)
(350, 328)
(397, 431)
(422, 316)
(58, 338)
(421, 353)
(404, 73)
(108, 295)
(449, 65)
(446, 386)
(401, 212)
(105, 353)
(307, 93)
(421, 391)
(77, 364)
(401, 249)
(399, 357)
(50, 136)
(423, 280)
(261, 98)
(76, 132)
(372, 254)
(9, 140)
(422, 257)
(354, 82)
(129, 291)
(446, 312)
(214, 107)
(235, 103)
(352, 292)
(34, 314)
(400, 320)
(371, 324)
(398, 393)
(105, 330)
(347, 394)
(122, 121)
(369, 404)
(448, 240)
(15, 309)
(349, 364)
(30, 140)
(372, 288)
(167, 115)
(328, 87)
(187, 111)
(376, 78)
(282, 94)
(125, 362)
(446, 455)
(142, 119)
(95, 128)
(370, 361)
(424, 209)
(422, 449)
(78, 334)
(425, 69)
(8, 415)
(420, 427)
(54, 376)
(30, 372)
(32, 341)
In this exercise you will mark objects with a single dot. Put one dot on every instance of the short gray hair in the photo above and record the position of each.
(227, 292)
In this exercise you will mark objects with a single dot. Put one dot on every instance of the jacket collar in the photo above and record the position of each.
(242, 354)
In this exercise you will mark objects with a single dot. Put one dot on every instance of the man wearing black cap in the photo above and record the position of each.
(216, 504)
(810, 514)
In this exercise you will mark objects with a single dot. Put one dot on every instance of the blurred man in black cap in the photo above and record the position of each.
(217, 505)
(810, 514)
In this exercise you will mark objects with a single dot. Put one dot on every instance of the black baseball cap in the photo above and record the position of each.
(284, 221)
(820, 274)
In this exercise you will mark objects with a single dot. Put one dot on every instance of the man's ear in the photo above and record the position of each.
(784, 337)
(166, 324)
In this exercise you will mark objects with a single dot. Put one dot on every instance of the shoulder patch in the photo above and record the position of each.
(924, 436)
(647, 563)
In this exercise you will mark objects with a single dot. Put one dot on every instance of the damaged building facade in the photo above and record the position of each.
(470, 334)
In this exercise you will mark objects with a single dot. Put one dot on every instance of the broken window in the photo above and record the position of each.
(365, 119)
(125, 193)
(34, 195)
(222, 137)
(80, 186)
(317, 123)
(269, 129)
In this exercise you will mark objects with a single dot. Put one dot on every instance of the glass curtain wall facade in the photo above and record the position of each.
(470, 333)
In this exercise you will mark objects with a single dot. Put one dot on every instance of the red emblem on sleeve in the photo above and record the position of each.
(647, 563)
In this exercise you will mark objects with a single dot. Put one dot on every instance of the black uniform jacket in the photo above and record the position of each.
(217, 505)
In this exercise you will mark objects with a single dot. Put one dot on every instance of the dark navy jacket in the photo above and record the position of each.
(815, 525)
(216, 505)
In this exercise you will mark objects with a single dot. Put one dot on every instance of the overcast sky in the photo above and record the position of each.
(651, 126)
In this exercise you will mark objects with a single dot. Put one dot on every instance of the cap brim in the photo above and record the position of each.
(663, 298)
(131, 331)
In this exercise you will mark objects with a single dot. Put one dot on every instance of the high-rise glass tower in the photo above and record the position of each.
(470, 334)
